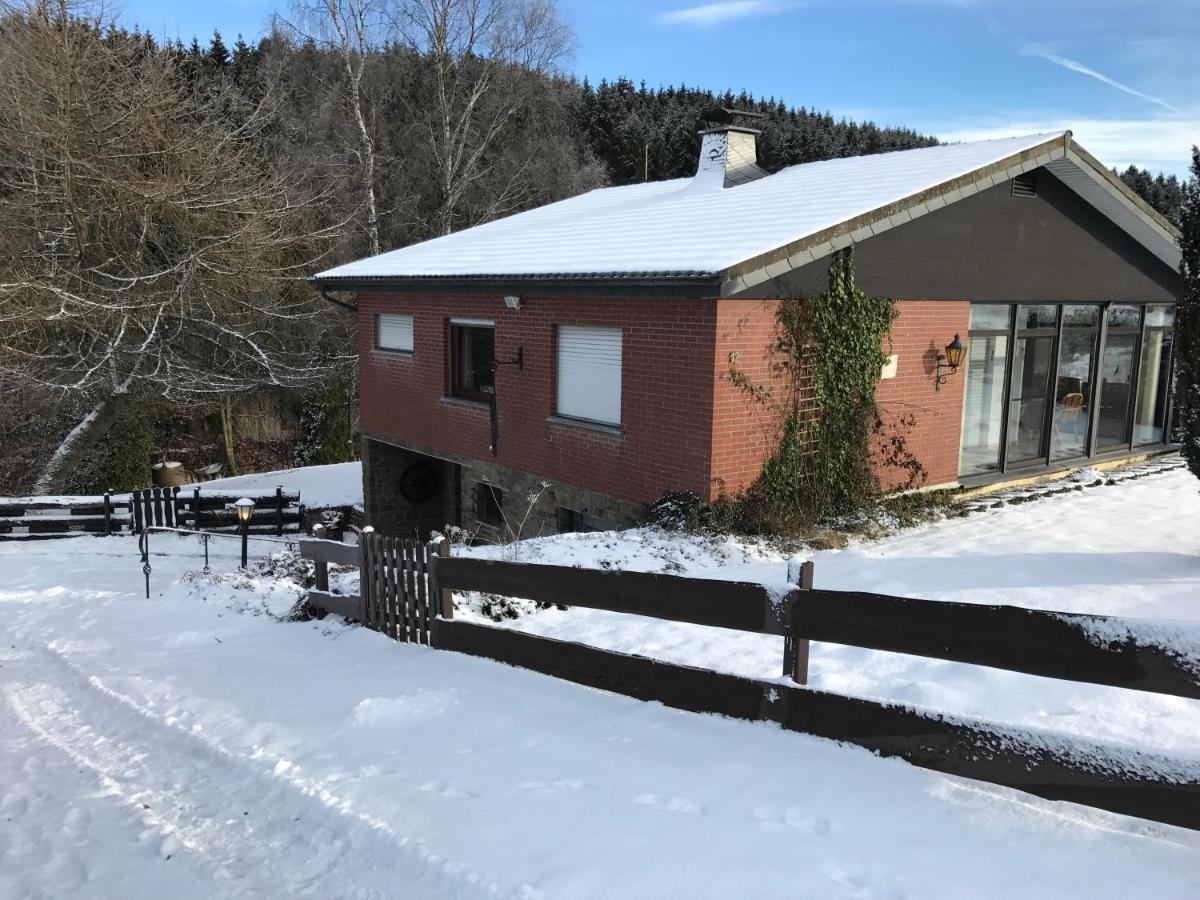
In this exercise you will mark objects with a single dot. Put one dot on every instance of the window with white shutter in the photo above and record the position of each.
(589, 373)
(393, 332)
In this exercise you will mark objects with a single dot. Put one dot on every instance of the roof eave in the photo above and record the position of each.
(671, 284)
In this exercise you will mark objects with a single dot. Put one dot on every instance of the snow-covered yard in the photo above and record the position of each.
(193, 745)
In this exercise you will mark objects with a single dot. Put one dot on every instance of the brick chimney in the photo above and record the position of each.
(728, 156)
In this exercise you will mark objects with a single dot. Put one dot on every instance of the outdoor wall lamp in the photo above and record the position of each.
(951, 359)
(245, 509)
(512, 302)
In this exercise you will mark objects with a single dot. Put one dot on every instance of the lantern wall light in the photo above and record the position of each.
(956, 350)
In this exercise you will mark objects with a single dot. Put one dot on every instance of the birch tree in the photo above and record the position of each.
(476, 54)
(147, 244)
(352, 30)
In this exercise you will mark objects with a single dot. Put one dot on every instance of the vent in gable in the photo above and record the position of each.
(1025, 185)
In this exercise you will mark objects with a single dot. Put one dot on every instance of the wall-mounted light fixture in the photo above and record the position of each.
(512, 301)
(951, 359)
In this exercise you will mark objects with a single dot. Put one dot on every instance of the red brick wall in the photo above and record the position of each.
(666, 390)
(744, 433)
(919, 333)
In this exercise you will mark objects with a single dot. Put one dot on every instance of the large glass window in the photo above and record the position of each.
(1047, 382)
(1029, 390)
(1154, 384)
(1117, 365)
(983, 393)
(1073, 385)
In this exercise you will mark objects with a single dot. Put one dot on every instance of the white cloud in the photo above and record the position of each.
(1072, 65)
(708, 14)
(1158, 144)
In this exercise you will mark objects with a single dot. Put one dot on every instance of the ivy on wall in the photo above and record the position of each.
(828, 358)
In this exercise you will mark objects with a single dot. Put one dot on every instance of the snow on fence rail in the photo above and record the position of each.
(1056, 645)
(25, 518)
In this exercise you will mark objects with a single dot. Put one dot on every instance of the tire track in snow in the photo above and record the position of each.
(258, 832)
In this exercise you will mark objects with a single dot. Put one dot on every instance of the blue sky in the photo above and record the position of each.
(1121, 75)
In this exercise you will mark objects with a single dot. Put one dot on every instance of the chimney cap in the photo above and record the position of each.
(722, 115)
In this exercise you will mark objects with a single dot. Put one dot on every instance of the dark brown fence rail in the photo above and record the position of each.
(1050, 644)
(32, 517)
(406, 593)
(27, 518)
(1149, 786)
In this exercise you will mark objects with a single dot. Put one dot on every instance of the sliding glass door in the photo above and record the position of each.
(1073, 385)
(1029, 393)
(983, 391)
(1118, 362)
(1055, 383)
(1154, 382)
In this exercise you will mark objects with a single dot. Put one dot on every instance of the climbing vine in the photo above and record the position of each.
(827, 360)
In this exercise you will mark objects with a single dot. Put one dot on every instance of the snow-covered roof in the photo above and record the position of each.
(741, 235)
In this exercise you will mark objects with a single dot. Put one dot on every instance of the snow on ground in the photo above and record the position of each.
(1125, 550)
(193, 746)
(338, 484)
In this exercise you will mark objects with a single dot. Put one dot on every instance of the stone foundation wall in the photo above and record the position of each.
(384, 463)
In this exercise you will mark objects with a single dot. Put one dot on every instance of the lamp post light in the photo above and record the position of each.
(245, 509)
(951, 359)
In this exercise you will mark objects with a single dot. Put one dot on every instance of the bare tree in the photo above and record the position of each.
(352, 29)
(147, 244)
(475, 54)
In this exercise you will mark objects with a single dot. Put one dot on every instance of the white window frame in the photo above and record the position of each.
(401, 321)
(588, 383)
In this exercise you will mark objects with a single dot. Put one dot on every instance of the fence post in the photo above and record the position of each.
(278, 510)
(364, 574)
(795, 647)
(135, 510)
(320, 567)
(175, 507)
(445, 598)
(107, 513)
(196, 507)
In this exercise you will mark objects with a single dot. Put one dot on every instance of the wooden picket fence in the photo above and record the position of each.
(394, 596)
(407, 592)
(25, 518)
(209, 511)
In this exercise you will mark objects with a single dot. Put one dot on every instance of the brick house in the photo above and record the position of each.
(588, 344)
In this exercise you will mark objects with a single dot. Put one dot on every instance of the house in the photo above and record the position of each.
(587, 345)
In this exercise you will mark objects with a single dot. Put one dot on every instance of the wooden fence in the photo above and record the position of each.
(34, 517)
(1056, 645)
(209, 511)
(47, 517)
(394, 586)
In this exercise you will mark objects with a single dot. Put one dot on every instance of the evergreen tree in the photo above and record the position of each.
(1187, 322)
(218, 53)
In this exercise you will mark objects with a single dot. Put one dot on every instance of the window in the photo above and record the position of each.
(394, 332)
(983, 395)
(472, 360)
(489, 503)
(1057, 382)
(572, 520)
(1072, 411)
(1154, 376)
(589, 373)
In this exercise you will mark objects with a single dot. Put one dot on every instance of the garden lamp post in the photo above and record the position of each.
(245, 509)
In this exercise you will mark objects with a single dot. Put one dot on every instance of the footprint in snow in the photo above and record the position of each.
(552, 787)
(671, 804)
(775, 819)
(441, 789)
